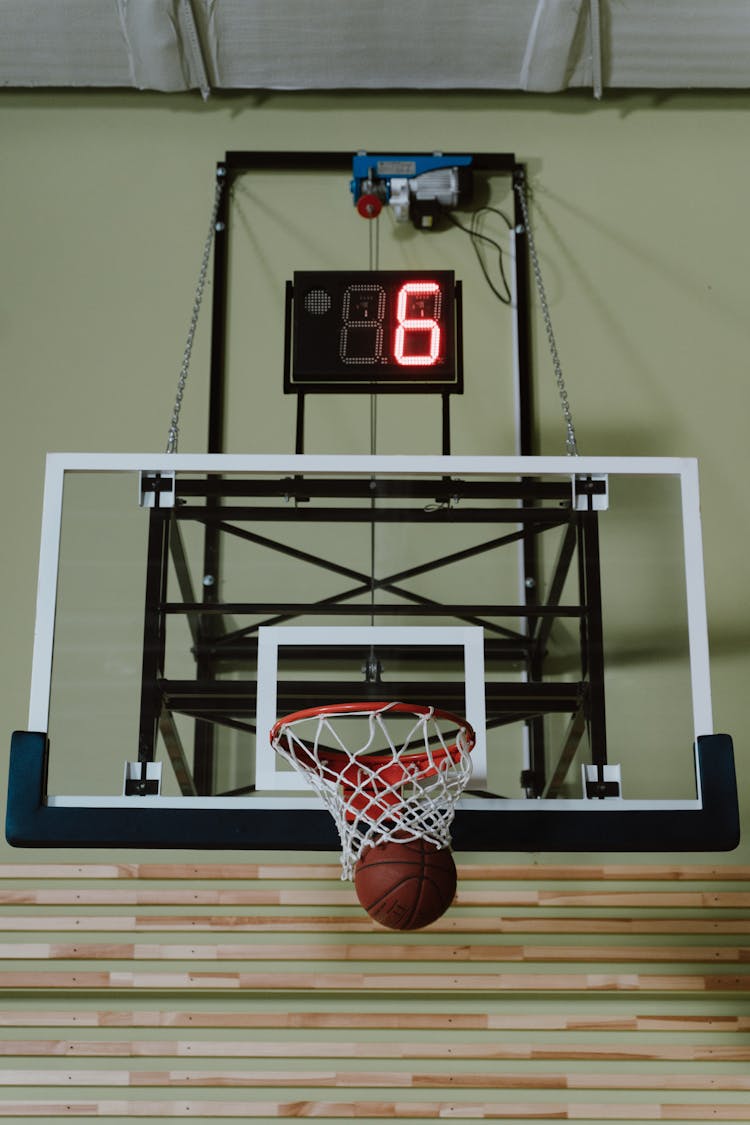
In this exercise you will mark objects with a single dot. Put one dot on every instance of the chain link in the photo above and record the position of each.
(570, 438)
(174, 425)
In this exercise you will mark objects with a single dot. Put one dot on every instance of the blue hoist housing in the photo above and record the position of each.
(418, 187)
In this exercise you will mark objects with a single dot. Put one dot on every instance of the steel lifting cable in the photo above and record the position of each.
(570, 433)
(372, 671)
(174, 425)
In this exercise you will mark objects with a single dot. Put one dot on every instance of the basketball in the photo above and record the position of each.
(405, 884)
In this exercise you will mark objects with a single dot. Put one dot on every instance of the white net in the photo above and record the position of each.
(385, 771)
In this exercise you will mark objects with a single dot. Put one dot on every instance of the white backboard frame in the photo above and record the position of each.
(59, 464)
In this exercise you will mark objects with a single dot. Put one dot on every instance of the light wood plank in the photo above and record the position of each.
(354, 1110)
(606, 872)
(406, 954)
(376, 982)
(346, 1049)
(372, 1079)
(325, 897)
(214, 872)
(451, 923)
(412, 1021)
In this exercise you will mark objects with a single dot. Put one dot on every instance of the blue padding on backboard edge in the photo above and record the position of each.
(31, 823)
(715, 826)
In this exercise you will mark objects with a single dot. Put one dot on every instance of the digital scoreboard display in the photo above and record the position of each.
(373, 331)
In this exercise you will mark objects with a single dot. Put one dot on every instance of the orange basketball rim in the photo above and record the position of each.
(372, 780)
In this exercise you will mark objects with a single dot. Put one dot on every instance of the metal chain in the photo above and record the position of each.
(174, 425)
(570, 438)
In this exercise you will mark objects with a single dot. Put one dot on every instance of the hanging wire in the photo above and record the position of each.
(174, 425)
(570, 438)
(373, 671)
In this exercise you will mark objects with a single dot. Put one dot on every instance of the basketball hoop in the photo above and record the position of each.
(386, 788)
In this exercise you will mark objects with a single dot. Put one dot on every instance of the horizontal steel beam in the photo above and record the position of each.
(445, 489)
(223, 513)
(238, 697)
(368, 609)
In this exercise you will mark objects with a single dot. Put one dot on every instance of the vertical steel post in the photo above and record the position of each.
(592, 637)
(534, 778)
(204, 748)
(154, 632)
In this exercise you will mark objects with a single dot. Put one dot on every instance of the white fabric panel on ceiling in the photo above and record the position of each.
(677, 44)
(56, 43)
(554, 45)
(164, 45)
(392, 44)
(175, 45)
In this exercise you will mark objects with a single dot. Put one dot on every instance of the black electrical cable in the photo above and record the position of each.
(477, 238)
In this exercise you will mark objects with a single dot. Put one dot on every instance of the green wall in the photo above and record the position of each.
(639, 207)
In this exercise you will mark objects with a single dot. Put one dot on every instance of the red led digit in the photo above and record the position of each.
(418, 312)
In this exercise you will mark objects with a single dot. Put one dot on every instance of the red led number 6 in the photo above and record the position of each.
(418, 291)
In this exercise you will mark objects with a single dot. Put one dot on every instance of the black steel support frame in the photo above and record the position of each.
(241, 163)
(231, 703)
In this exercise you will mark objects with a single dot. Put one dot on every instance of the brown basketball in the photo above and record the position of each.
(407, 884)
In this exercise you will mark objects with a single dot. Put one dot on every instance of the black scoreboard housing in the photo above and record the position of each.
(350, 331)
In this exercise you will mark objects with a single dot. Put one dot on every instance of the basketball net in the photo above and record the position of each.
(382, 788)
